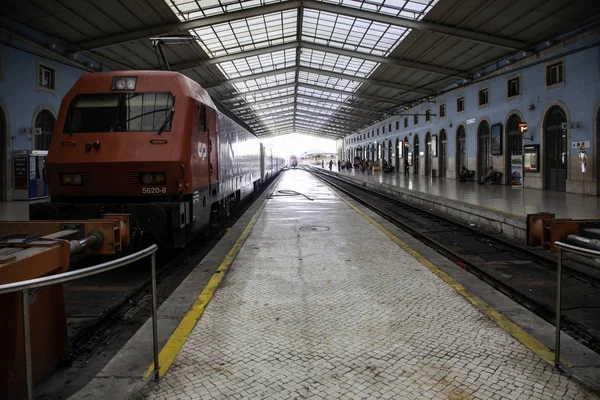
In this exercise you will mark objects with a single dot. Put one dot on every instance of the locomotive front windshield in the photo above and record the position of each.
(120, 112)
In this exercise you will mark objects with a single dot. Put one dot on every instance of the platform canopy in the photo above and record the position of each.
(325, 68)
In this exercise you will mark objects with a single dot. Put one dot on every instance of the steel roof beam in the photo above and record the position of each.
(258, 91)
(369, 81)
(216, 60)
(351, 94)
(322, 88)
(341, 103)
(318, 47)
(301, 113)
(265, 101)
(324, 123)
(308, 126)
(292, 96)
(305, 121)
(387, 60)
(447, 30)
(283, 114)
(250, 76)
(325, 131)
(178, 27)
(349, 77)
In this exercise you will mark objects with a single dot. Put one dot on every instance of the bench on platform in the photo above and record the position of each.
(469, 176)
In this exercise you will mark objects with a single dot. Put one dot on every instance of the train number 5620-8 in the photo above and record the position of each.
(154, 190)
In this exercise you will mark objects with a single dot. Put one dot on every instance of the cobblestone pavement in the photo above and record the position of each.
(345, 313)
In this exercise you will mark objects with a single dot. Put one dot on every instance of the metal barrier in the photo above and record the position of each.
(571, 249)
(25, 286)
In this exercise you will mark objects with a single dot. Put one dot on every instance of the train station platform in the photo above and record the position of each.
(325, 300)
(495, 207)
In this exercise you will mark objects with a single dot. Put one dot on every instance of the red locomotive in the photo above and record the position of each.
(153, 144)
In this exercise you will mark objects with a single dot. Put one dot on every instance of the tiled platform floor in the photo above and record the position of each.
(320, 304)
(500, 197)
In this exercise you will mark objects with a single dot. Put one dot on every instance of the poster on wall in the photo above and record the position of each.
(516, 167)
(531, 157)
(496, 140)
(433, 146)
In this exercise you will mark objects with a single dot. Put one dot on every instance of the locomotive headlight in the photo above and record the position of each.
(147, 179)
(124, 83)
(153, 178)
(71, 179)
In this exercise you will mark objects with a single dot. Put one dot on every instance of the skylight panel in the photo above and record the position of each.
(413, 9)
(328, 81)
(192, 9)
(337, 63)
(264, 82)
(335, 30)
(269, 95)
(248, 34)
(323, 94)
(247, 66)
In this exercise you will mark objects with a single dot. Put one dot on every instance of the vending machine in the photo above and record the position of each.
(28, 174)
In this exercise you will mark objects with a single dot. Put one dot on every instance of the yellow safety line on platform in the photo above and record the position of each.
(183, 330)
(530, 342)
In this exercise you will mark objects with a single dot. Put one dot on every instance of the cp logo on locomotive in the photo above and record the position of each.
(202, 151)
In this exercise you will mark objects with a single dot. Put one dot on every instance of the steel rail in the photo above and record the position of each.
(569, 249)
(25, 286)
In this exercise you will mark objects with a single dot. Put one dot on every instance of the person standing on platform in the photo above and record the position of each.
(322, 163)
(330, 164)
(339, 165)
(406, 167)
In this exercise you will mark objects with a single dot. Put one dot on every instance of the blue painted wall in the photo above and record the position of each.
(22, 49)
(580, 97)
(19, 94)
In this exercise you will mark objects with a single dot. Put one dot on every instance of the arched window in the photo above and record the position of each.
(46, 121)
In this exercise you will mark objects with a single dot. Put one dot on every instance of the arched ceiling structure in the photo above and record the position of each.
(319, 67)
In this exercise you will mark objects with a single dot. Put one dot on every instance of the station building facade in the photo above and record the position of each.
(556, 92)
(35, 75)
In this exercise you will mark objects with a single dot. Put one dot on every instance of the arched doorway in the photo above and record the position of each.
(443, 156)
(416, 155)
(555, 150)
(398, 150)
(428, 154)
(46, 121)
(484, 144)
(405, 149)
(461, 149)
(389, 159)
(3, 166)
(597, 160)
(514, 142)
(382, 151)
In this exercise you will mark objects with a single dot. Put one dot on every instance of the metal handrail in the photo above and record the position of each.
(25, 286)
(570, 249)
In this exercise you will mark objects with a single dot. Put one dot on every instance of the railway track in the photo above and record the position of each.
(104, 311)
(525, 275)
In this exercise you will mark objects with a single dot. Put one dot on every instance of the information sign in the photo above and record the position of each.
(531, 158)
(516, 166)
